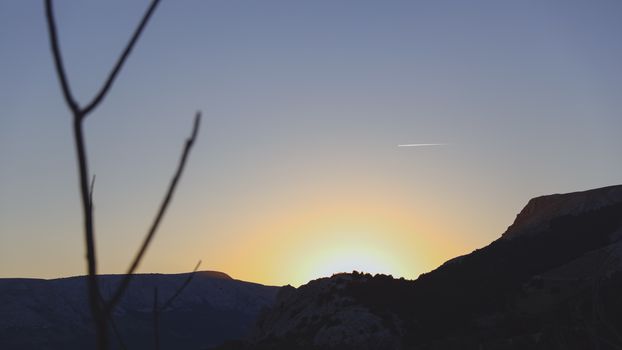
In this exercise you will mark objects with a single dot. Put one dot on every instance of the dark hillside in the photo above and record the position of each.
(551, 282)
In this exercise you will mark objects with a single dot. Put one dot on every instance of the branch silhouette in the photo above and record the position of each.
(156, 222)
(126, 52)
(156, 319)
(91, 192)
(114, 328)
(157, 309)
(100, 309)
(58, 60)
(170, 300)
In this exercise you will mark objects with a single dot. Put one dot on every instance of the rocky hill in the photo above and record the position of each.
(551, 281)
(54, 314)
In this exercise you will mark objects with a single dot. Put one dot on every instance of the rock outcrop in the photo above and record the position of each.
(551, 281)
(540, 211)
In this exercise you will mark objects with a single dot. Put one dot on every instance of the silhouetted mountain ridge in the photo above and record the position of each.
(54, 314)
(552, 281)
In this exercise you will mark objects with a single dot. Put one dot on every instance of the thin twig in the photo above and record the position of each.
(181, 288)
(116, 332)
(156, 319)
(113, 326)
(156, 222)
(157, 310)
(58, 60)
(121, 60)
(91, 192)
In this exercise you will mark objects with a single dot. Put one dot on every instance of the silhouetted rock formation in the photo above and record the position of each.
(539, 212)
(552, 281)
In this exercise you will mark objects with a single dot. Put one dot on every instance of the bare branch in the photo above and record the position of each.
(156, 319)
(156, 222)
(121, 60)
(102, 312)
(113, 326)
(89, 235)
(58, 59)
(91, 192)
(181, 288)
(158, 309)
(116, 333)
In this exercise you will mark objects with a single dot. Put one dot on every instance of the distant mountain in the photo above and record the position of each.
(552, 281)
(54, 314)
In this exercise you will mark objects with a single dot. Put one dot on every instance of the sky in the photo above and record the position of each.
(297, 173)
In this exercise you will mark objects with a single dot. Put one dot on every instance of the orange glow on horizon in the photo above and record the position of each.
(319, 243)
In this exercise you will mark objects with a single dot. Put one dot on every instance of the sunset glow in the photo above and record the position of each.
(318, 240)
(379, 136)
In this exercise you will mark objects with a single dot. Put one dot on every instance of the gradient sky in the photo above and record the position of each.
(296, 173)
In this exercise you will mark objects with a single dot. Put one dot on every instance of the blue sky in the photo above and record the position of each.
(304, 105)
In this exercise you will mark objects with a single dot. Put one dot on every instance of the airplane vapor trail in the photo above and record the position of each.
(421, 144)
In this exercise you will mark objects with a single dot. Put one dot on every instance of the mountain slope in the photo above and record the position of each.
(551, 281)
(54, 314)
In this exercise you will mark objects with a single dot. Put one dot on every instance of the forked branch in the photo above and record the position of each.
(101, 310)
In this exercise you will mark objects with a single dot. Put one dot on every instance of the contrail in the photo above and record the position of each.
(421, 144)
